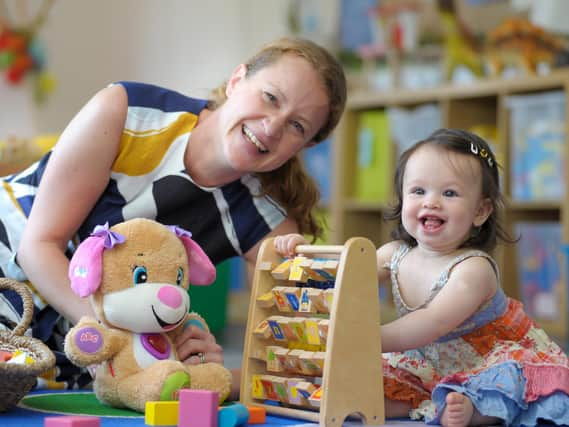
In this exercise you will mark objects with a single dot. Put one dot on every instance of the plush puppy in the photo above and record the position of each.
(136, 275)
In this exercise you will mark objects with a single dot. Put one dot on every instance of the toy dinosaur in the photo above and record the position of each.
(460, 47)
(519, 43)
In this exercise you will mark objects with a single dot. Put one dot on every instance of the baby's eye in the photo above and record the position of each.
(298, 127)
(450, 193)
(269, 97)
(180, 276)
(139, 275)
(417, 190)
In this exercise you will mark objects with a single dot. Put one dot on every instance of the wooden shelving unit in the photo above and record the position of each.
(344, 354)
(480, 103)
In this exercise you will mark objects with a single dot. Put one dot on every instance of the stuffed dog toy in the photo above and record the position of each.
(137, 275)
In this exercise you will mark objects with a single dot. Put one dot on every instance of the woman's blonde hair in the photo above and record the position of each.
(290, 185)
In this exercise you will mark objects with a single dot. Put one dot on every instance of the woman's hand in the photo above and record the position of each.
(286, 244)
(195, 345)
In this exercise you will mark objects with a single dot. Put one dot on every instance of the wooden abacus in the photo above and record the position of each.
(312, 345)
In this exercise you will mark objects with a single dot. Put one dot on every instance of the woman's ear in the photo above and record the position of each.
(484, 211)
(238, 74)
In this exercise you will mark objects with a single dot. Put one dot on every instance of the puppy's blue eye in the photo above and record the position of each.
(139, 275)
(180, 276)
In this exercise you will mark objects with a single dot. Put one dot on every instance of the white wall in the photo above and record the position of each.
(188, 45)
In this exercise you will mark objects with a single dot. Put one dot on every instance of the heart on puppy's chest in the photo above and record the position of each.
(157, 345)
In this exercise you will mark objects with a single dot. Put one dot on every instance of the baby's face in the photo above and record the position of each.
(442, 197)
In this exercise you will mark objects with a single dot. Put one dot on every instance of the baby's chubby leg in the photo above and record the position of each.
(460, 412)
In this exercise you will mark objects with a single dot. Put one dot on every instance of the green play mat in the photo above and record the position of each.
(70, 403)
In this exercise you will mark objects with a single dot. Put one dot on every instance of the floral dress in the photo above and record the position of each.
(499, 358)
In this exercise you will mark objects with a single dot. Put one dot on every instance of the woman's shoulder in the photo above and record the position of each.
(149, 95)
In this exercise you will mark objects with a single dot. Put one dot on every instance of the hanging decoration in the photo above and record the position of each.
(21, 52)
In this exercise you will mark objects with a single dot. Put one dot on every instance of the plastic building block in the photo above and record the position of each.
(232, 415)
(161, 413)
(72, 421)
(198, 408)
(257, 415)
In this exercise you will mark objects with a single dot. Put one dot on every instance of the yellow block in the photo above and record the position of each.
(281, 272)
(297, 272)
(161, 413)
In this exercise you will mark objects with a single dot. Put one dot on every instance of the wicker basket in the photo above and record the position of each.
(17, 380)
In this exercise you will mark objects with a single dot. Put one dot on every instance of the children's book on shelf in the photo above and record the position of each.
(356, 29)
(539, 267)
(537, 132)
(318, 164)
(375, 158)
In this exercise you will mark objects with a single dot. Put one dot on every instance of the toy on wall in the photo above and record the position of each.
(519, 43)
(21, 52)
(515, 44)
(137, 275)
(461, 48)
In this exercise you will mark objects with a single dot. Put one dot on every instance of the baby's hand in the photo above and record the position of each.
(285, 244)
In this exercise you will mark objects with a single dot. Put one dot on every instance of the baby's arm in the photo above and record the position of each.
(471, 283)
(384, 255)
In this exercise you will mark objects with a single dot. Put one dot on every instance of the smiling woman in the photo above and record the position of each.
(225, 169)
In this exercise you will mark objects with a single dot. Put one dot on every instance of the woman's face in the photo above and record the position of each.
(271, 115)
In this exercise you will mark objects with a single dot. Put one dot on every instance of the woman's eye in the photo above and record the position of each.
(450, 193)
(139, 275)
(270, 97)
(180, 276)
(298, 127)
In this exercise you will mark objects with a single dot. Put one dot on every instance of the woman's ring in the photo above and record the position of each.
(200, 356)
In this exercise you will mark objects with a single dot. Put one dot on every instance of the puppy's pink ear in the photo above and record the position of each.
(202, 271)
(86, 266)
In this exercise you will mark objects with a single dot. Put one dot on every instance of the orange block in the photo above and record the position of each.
(257, 415)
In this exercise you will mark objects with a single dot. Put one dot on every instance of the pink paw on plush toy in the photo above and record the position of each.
(137, 275)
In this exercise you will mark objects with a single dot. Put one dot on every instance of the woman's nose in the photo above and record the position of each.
(273, 126)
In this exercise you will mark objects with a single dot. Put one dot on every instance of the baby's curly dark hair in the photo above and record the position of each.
(459, 141)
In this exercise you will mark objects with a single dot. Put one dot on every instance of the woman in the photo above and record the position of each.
(226, 169)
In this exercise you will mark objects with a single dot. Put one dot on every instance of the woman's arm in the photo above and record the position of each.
(472, 282)
(76, 175)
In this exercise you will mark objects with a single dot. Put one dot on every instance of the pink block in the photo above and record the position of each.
(198, 408)
(72, 421)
